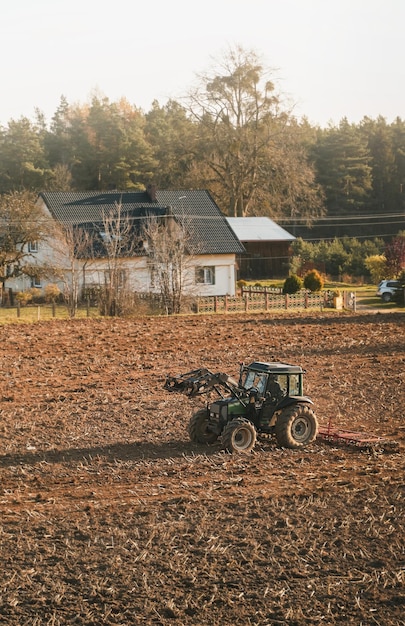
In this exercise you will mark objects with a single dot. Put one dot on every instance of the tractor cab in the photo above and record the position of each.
(272, 380)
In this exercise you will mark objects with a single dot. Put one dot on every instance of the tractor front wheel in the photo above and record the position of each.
(198, 428)
(239, 435)
(296, 426)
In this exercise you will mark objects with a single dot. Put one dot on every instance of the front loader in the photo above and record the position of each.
(267, 399)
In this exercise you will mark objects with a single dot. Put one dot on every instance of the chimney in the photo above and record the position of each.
(151, 191)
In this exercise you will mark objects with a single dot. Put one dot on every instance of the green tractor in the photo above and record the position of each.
(267, 399)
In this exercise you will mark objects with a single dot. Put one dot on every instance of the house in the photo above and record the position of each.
(267, 246)
(211, 243)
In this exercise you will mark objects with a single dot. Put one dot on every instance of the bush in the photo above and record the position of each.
(52, 292)
(241, 283)
(313, 281)
(36, 294)
(337, 257)
(292, 284)
(377, 266)
(23, 297)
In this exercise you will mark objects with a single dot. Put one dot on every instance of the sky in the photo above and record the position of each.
(329, 58)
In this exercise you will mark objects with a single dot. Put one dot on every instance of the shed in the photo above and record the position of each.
(267, 245)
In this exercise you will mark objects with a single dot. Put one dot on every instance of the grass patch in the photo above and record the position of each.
(30, 314)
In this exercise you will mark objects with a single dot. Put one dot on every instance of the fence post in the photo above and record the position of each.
(38, 313)
(286, 300)
(88, 307)
(267, 301)
(226, 303)
(18, 309)
(246, 303)
(216, 304)
(53, 309)
(306, 300)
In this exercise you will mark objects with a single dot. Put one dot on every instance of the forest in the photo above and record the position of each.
(234, 135)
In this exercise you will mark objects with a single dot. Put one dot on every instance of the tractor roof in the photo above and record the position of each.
(275, 368)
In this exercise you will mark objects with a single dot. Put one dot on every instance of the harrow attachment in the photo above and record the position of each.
(330, 434)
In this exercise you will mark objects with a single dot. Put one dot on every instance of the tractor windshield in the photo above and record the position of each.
(258, 380)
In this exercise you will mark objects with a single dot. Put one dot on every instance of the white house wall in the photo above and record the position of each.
(139, 275)
(224, 275)
(136, 270)
(92, 272)
(47, 255)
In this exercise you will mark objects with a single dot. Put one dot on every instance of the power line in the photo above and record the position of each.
(71, 219)
(348, 218)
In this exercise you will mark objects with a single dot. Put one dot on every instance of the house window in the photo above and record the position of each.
(33, 246)
(36, 281)
(205, 275)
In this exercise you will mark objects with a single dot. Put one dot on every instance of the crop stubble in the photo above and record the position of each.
(110, 515)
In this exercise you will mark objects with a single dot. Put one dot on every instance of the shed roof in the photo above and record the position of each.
(258, 229)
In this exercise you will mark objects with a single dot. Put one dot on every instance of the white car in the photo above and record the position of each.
(387, 289)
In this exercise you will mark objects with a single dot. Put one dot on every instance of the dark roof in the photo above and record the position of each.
(210, 232)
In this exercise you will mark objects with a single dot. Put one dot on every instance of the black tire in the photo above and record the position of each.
(296, 426)
(386, 297)
(198, 428)
(239, 435)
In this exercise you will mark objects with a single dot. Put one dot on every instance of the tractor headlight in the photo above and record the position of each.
(219, 411)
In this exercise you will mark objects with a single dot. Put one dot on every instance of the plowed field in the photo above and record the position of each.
(110, 515)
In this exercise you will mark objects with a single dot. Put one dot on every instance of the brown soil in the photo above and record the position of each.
(110, 515)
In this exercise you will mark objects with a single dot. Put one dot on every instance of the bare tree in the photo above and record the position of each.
(249, 153)
(72, 247)
(168, 246)
(118, 241)
(78, 248)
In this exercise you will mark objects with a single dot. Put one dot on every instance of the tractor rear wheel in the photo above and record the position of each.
(296, 426)
(239, 435)
(198, 428)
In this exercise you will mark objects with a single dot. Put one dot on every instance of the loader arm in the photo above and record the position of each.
(200, 381)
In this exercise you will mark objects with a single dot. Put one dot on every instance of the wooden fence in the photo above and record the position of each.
(264, 301)
(250, 300)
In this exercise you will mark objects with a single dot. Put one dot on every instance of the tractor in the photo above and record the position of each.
(267, 399)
